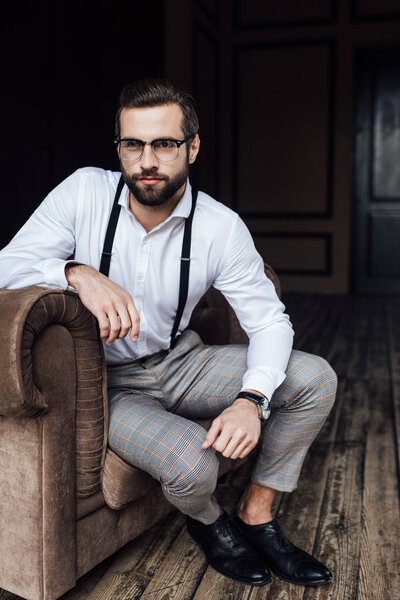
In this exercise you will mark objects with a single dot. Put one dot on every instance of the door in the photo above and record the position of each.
(376, 214)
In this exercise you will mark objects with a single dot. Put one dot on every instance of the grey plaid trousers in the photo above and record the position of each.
(152, 402)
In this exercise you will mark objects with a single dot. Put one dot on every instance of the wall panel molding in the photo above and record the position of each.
(284, 13)
(298, 243)
(375, 10)
(313, 48)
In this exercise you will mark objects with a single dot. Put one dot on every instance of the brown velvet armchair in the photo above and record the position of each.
(66, 500)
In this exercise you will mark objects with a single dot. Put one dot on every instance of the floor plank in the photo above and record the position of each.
(137, 563)
(88, 582)
(393, 329)
(179, 574)
(338, 537)
(217, 587)
(379, 566)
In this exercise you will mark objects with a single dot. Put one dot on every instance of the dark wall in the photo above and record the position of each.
(275, 84)
(63, 65)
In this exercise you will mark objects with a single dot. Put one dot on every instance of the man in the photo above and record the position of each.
(161, 375)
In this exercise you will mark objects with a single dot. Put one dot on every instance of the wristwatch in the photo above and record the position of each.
(261, 401)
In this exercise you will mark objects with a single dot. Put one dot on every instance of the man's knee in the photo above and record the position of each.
(196, 470)
(311, 384)
(322, 383)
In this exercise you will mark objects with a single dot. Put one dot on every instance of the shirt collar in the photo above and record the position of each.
(184, 206)
(182, 209)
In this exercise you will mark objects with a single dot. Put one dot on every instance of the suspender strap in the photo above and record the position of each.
(111, 228)
(185, 267)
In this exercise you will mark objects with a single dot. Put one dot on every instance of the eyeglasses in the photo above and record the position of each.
(165, 149)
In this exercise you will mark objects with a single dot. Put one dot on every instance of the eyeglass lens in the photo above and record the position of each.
(165, 150)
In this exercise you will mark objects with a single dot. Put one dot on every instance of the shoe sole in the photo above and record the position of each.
(299, 582)
(234, 577)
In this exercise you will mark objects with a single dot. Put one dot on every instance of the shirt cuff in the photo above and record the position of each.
(263, 380)
(54, 273)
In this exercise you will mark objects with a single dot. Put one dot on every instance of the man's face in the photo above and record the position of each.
(152, 181)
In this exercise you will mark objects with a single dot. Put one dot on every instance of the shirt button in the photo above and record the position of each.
(140, 277)
(141, 339)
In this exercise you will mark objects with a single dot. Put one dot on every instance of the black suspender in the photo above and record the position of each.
(185, 256)
(110, 233)
(185, 267)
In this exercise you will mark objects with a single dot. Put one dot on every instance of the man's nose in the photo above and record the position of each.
(148, 160)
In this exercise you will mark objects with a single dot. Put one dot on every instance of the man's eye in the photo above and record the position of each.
(164, 144)
(132, 144)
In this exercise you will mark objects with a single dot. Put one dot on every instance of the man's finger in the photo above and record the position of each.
(103, 325)
(223, 439)
(124, 321)
(115, 327)
(245, 446)
(212, 433)
(234, 443)
(135, 321)
(246, 451)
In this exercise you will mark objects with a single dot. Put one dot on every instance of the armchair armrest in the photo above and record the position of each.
(24, 315)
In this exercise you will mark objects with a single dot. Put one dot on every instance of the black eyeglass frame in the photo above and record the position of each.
(179, 143)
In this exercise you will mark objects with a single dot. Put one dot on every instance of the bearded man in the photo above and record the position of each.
(146, 248)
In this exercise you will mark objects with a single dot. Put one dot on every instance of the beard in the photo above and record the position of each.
(147, 195)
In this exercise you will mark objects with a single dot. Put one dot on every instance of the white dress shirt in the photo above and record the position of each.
(73, 219)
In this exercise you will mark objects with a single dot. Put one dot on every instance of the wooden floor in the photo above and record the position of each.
(346, 507)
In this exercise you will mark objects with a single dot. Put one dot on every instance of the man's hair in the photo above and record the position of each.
(156, 92)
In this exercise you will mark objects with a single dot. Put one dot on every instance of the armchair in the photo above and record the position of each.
(67, 501)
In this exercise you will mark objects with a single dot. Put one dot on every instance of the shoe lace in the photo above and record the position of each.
(229, 532)
(284, 543)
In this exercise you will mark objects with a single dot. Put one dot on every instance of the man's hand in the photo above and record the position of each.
(110, 303)
(235, 432)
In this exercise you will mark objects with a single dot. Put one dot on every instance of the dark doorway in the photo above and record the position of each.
(376, 214)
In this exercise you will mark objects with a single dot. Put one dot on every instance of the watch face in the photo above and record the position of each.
(265, 408)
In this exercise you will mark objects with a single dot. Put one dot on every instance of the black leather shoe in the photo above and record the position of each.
(228, 552)
(284, 558)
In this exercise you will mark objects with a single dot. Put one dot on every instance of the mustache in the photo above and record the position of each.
(151, 174)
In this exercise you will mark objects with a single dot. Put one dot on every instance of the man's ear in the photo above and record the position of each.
(194, 149)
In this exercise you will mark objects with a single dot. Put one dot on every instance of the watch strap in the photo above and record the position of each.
(253, 397)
